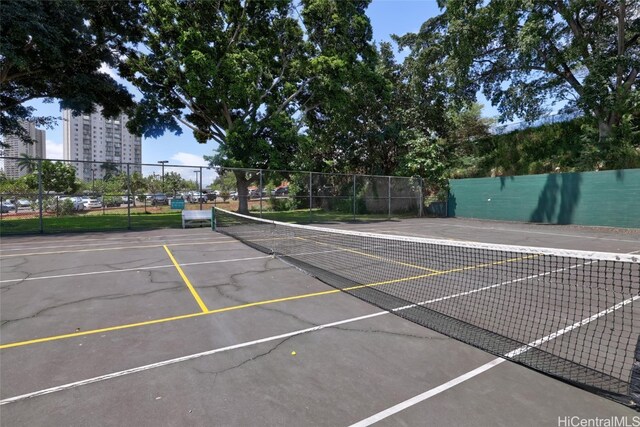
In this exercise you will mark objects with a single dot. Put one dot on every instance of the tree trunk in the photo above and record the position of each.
(243, 193)
(604, 130)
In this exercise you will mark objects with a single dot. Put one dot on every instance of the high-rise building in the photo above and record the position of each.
(17, 147)
(99, 141)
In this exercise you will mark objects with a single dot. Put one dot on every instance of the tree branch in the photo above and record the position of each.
(630, 79)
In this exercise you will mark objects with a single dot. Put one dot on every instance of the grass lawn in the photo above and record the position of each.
(91, 222)
(159, 217)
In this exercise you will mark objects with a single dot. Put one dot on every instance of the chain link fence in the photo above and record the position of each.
(49, 196)
(317, 197)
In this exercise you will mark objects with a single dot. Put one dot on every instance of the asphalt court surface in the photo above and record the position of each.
(106, 329)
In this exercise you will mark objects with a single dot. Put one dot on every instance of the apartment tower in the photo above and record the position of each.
(98, 142)
(16, 147)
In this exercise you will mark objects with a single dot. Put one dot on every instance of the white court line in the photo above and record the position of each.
(184, 359)
(290, 334)
(186, 264)
(137, 246)
(114, 242)
(87, 239)
(132, 269)
(462, 378)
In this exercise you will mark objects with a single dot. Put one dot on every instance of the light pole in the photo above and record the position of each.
(162, 162)
(199, 189)
(197, 172)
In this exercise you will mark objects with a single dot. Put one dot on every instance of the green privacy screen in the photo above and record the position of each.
(608, 198)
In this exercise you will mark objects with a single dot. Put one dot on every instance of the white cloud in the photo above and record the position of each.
(181, 158)
(54, 150)
(191, 162)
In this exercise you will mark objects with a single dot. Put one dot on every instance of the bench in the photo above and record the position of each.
(196, 218)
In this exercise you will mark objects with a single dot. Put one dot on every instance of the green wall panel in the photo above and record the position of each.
(607, 198)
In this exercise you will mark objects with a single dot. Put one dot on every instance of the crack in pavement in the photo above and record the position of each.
(111, 297)
(244, 362)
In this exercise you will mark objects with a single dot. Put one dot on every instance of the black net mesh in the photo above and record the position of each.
(569, 314)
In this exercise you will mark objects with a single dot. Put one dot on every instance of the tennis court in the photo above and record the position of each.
(193, 327)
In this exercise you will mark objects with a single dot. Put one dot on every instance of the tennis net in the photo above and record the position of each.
(574, 315)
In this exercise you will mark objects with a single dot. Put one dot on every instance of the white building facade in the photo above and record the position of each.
(17, 147)
(99, 141)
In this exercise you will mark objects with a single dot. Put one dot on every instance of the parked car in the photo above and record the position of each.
(78, 202)
(91, 203)
(111, 201)
(234, 195)
(281, 191)
(196, 197)
(7, 206)
(158, 199)
(23, 203)
(255, 194)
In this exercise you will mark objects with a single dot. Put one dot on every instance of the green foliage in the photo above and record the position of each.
(15, 186)
(237, 72)
(27, 163)
(110, 170)
(173, 182)
(425, 159)
(573, 146)
(283, 204)
(225, 182)
(521, 54)
(56, 177)
(55, 49)
(57, 206)
(136, 184)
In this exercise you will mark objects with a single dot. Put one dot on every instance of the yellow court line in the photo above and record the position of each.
(342, 248)
(201, 304)
(120, 248)
(241, 306)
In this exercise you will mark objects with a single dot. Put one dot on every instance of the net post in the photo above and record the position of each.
(354, 197)
(389, 197)
(213, 218)
(260, 194)
(634, 388)
(39, 195)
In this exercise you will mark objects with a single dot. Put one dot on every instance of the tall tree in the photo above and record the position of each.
(237, 72)
(173, 181)
(135, 183)
(54, 49)
(521, 54)
(27, 163)
(109, 170)
(57, 177)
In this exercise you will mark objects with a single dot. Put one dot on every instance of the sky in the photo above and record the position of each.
(387, 17)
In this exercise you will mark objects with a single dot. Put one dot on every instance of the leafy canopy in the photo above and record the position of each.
(523, 53)
(54, 49)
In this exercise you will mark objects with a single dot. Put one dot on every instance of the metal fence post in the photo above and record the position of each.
(389, 197)
(128, 198)
(354, 197)
(201, 195)
(310, 196)
(260, 190)
(421, 201)
(40, 193)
